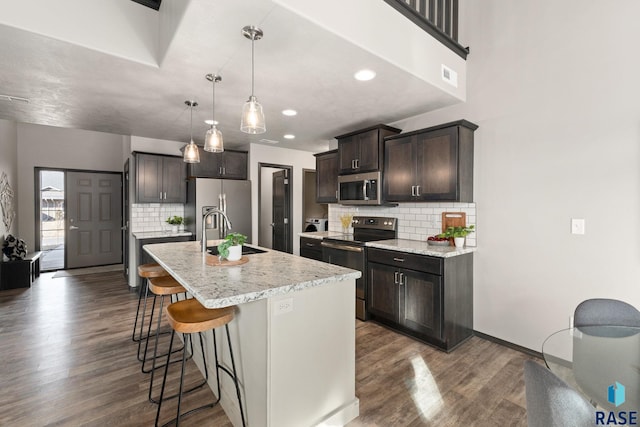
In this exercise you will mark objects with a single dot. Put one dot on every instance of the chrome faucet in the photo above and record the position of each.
(207, 214)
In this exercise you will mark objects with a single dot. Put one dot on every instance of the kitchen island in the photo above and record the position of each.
(293, 334)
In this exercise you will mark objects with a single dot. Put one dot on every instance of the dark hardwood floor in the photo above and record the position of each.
(67, 359)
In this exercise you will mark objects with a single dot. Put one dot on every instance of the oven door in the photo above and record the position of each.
(351, 257)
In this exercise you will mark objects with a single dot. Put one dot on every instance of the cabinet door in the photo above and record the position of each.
(174, 180)
(437, 171)
(399, 169)
(327, 177)
(148, 178)
(369, 151)
(348, 151)
(421, 302)
(382, 298)
(210, 165)
(234, 165)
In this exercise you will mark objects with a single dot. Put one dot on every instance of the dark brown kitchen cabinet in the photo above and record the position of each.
(433, 164)
(362, 150)
(311, 248)
(327, 177)
(143, 257)
(160, 179)
(229, 164)
(429, 298)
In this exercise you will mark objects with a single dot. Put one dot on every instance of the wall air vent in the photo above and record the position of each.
(449, 76)
(13, 98)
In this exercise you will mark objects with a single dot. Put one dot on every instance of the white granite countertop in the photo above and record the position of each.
(320, 234)
(159, 234)
(265, 275)
(420, 247)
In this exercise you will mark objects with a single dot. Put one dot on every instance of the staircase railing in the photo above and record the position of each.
(437, 17)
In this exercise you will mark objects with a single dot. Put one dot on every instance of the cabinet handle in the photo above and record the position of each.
(399, 259)
(413, 190)
(311, 245)
(224, 171)
(357, 163)
(395, 277)
(418, 190)
(403, 279)
(165, 195)
(161, 195)
(336, 194)
(353, 164)
(220, 170)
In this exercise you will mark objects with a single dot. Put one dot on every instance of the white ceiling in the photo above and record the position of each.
(299, 65)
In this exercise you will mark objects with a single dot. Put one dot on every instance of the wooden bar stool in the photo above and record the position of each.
(146, 271)
(188, 317)
(159, 287)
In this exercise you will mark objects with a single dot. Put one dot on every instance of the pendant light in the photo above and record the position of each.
(191, 154)
(252, 115)
(213, 138)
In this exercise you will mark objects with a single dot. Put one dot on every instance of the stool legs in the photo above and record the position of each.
(135, 324)
(219, 367)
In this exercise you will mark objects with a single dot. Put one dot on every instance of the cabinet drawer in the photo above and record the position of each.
(422, 263)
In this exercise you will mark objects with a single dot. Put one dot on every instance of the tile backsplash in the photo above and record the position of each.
(416, 221)
(153, 216)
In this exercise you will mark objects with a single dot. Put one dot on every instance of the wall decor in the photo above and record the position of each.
(6, 202)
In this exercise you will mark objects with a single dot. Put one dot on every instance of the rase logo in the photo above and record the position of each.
(616, 396)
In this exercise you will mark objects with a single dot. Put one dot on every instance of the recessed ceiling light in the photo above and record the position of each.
(289, 112)
(289, 136)
(364, 75)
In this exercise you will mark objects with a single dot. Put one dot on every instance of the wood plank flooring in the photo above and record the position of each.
(67, 359)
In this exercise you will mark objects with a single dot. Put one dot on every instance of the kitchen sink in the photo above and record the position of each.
(246, 250)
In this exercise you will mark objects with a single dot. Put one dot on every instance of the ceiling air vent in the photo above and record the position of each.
(268, 141)
(12, 98)
(449, 76)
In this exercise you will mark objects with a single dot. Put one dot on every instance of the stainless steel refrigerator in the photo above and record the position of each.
(230, 195)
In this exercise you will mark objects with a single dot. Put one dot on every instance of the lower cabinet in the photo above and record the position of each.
(429, 298)
(311, 248)
(143, 257)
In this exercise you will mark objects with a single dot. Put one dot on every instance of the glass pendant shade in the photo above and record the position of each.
(252, 117)
(191, 153)
(213, 140)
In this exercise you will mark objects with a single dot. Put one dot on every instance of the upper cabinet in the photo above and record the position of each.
(160, 179)
(229, 164)
(327, 177)
(363, 150)
(433, 164)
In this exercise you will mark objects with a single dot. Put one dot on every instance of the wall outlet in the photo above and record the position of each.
(283, 306)
(577, 226)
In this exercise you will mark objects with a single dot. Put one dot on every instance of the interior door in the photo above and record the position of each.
(125, 219)
(94, 207)
(280, 239)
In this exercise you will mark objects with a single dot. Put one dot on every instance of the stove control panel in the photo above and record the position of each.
(375, 222)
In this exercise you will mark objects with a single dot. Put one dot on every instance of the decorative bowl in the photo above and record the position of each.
(438, 242)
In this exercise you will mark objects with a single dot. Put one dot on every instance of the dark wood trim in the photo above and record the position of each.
(508, 344)
(153, 4)
(454, 12)
(289, 170)
(427, 26)
(359, 131)
(323, 153)
(463, 123)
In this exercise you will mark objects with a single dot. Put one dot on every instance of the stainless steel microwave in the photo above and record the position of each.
(360, 189)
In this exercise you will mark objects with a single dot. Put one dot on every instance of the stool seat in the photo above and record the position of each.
(148, 271)
(165, 285)
(189, 316)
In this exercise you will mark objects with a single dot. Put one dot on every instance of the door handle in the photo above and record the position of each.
(273, 224)
(73, 227)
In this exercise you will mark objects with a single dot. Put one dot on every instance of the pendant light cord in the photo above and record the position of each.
(253, 38)
(213, 101)
(191, 107)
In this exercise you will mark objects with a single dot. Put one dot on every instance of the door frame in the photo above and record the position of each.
(36, 200)
(289, 170)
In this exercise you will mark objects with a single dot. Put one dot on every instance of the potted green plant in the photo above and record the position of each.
(458, 234)
(174, 222)
(231, 247)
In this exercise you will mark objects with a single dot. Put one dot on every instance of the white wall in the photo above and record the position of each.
(52, 147)
(280, 156)
(8, 165)
(553, 87)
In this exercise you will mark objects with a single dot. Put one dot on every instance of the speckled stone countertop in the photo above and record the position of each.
(159, 234)
(265, 275)
(320, 234)
(419, 247)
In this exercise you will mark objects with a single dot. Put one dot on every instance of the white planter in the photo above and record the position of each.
(174, 228)
(459, 242)
(235, 253)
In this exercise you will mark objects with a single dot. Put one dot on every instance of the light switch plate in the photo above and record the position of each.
(577, 226)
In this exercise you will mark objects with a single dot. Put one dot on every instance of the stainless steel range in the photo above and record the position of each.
(348, 250)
